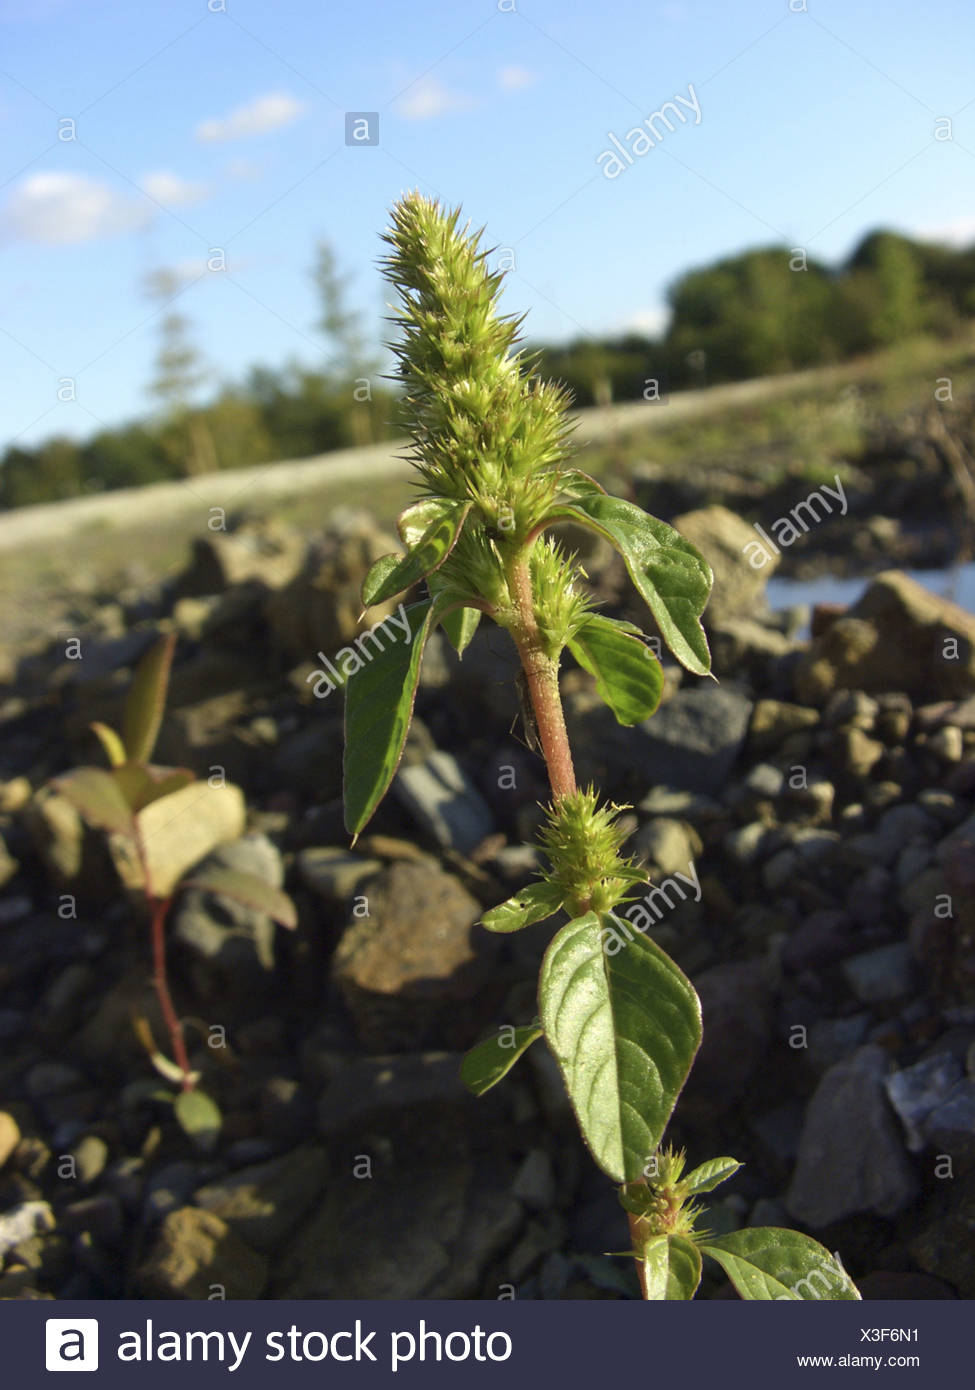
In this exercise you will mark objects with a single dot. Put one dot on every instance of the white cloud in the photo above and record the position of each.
(59, 209)
(172, 191)
(960, 232)
(257, 117)
(513, 79)
(428, 98)
(651, 322)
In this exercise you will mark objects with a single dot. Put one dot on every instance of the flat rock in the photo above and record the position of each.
(851, 1158)
(407, 970)
(264, 1202)
(196, 1254)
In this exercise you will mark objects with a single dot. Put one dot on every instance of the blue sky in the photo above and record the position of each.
(218, 131)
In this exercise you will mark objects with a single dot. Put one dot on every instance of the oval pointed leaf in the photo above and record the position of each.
(99, 799)
(460, 626)
(378, 709)
(628, 675)
(709, 1175)
(429, 552)
(672, 577)
(671, 1267)
(770, 1262)
(532, 904)
(248, 889)
(199, 1118)
(143, 783)
(110, 741)
(624, 1024)
(418, 518)
(484, 1065)
(146, 700)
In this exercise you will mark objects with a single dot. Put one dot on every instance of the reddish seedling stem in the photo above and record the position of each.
(160, 907)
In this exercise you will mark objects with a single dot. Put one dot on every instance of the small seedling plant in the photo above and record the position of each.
(114, 801)
(490, 446)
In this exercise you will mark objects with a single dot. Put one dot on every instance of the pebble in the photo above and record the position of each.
(90, 1155)
(915, 1091)
(881, 975)
(9, 1136)
(23, 1221)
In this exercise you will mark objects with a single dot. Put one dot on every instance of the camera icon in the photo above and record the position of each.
(71, 1344)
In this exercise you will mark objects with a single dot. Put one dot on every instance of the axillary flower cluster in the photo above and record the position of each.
(490, 444)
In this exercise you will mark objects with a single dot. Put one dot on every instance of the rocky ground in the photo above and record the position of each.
(822, 792)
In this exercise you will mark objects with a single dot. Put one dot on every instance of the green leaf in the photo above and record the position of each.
(770, 1262)
(672, 577)
(143, 783)
(672, 1267)
(532, 904)
(146, 700)
(431, 549)
(247, 889)
(96, 795)
(709, 1175)
(628, 675)
(460, 626)
(624, 1024)
(485, 1064)
(573, 483)
(199, 1117)
(110, 741)
(417, 519)
(378, 709)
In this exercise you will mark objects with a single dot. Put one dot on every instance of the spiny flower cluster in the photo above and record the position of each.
(582, 841)
(485, 427)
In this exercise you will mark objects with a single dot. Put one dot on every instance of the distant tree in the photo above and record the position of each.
(179, 372)
(353, 365)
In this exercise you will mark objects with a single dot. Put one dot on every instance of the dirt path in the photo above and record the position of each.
(138, 508)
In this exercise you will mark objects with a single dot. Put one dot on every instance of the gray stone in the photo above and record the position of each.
(781, 869)
(264, 1203)
(881, 975)
(746, 844)
(534, 1183)
(335, 874)
(831, 1039)
(851, 1158)
(764, 780)
(236, 942)
(915, 1091)
(950, 1127)
(444, 802)
(736, 1002)
(670, 844)
(693, 740)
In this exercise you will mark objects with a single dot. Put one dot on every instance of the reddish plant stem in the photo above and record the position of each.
(636, 1239)
(542, 675)
(160, 907)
